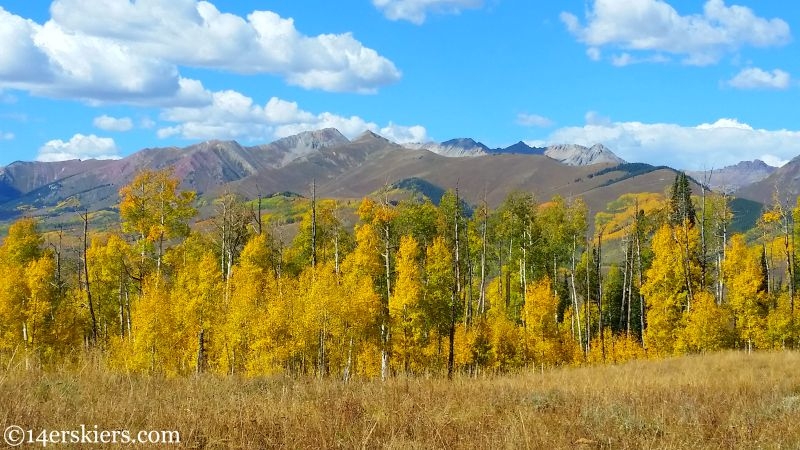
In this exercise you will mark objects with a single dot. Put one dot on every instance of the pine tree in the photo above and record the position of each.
(680, 204)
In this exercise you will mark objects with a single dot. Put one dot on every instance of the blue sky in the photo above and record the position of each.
(690, 84)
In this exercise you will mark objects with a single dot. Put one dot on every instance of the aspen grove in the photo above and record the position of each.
(413, 289)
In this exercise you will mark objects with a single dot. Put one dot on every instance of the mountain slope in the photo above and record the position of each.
(734, 177)
(785, 181)
(492, 175)
(205, 168)
(285, 150)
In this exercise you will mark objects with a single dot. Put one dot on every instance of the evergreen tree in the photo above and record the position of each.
(680, 202)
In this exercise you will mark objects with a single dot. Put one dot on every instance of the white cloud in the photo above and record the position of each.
(626, 59)
(773, 160)
(109, 123)
(534, 120)
(725, 123)
(416, 11)
(403, 134)
(232, 115)
(46, 60)
(79, 147)
(132, 54)
(653, 27)
(196, 34)
(6, 136)
(755, 78)
(718, 144)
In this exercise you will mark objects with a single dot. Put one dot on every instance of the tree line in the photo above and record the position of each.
(413, 288)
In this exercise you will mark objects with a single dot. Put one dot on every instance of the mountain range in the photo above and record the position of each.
(344, 168)
(569, 154)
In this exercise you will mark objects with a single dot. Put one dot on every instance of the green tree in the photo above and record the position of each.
(680, 201)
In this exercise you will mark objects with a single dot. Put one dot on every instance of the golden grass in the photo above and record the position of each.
(728, 400)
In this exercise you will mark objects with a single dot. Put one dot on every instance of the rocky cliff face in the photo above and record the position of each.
(285, 150)
(578, 155)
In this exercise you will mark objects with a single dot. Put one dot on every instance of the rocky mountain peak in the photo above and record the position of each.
(468, 144)
(578, 155)
(458, 147)
(327, 137)
(368, 135)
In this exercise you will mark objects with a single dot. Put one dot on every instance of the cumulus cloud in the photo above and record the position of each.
(196, 34)
(109, 123)
(403, 134)
(653, 29)
(46, 60)
(79, 147)
(755, 78)
(416, 11)
(534, 120)
(715, 144)
(232, 115)
(132, 54)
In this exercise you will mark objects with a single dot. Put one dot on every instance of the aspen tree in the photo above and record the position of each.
(153, 208)
(541, 324)
(108, 275)
(361, 268)
(197, 298)
(746, 291)
(665, 289)
(153, 326)
(439, 299)
(408, 291)
(706, 326)
(250, 282)
(27, 289)
(382, 215)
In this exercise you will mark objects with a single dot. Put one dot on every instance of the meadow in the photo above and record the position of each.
(726, 400)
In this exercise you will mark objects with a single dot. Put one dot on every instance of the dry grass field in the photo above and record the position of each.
(728, 400)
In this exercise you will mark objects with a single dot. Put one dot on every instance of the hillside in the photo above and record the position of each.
(737, 176)
(370, 162)
(785, 181)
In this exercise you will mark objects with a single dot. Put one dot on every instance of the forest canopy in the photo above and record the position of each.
(413, 288)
